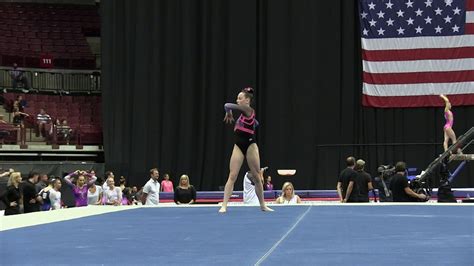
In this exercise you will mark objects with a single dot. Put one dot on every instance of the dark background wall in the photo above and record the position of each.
(169, 66)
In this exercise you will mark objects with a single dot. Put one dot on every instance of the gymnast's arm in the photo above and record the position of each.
(446, 102)
(68, 179)
(247, 110)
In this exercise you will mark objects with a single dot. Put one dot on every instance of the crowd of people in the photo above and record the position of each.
(40, 192)
(42, 123)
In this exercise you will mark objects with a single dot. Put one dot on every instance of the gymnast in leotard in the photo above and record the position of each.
(448, 126)
(245, 147)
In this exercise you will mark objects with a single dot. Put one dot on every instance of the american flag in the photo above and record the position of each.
(414, 50)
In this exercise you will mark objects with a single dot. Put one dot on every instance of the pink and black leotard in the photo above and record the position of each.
(244, 132)
(449, 122)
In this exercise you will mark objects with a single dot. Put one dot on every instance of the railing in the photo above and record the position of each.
(57, 80)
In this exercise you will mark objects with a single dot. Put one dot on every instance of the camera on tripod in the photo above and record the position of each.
(382, 182)
(420, 186)
(386, 170)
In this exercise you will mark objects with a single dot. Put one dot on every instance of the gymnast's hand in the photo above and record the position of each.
(229, 118)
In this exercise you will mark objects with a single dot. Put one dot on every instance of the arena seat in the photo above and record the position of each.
(83, 113)
(28, 30)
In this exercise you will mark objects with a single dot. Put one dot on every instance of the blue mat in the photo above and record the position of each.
(300, 235)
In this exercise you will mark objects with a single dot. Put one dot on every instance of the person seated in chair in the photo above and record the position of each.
(41, 120)
(288, 195)
(18, 76)
(64, 130)
(17, 121)
(401, 190)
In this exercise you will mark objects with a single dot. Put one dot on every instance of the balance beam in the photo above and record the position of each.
(462, 157)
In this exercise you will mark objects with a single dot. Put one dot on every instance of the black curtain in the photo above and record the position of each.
(169, 66)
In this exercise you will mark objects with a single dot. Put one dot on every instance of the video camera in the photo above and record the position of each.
(382, 182)
(386, 170)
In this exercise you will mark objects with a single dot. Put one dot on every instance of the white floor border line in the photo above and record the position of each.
(269, 252)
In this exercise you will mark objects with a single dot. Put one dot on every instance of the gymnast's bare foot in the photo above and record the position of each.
(266, 209)
(223, 209)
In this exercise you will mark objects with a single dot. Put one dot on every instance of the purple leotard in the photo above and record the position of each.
(80, 195)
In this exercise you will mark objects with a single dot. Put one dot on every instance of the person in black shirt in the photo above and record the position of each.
(12, 195)
(363, 181)
(184, 192)
(346, 186)
(399, 185)
(42, 183)
(31, 200)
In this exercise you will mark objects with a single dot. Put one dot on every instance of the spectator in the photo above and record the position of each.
(42, 183)
(249, 195)
(399, 185)
(151, 190)
(135, 195)
(44, 193)
(31, 200)
(64, 130)
(17, 76)
(185, 192)
(167, 184)
(268, 183)
(125, 191)
(288, 195)
(108, 175)
(2, 119)
(18, 117)
(6, 173)
(19, 103)
(363, 180)
(55, 194)
(346, 187)
(12, 196)
(113, 195)
(80, 189)
(5, 128)
(94, 195)
(42, 119)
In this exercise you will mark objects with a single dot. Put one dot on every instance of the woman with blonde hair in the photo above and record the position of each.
(12, 196)
(113, 195)
(184, 192)
(288, 195)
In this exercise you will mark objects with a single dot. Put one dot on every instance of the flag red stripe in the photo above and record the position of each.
(469, 28)
(418, 77)
(418, 54)
(470, 5)
(416, 101)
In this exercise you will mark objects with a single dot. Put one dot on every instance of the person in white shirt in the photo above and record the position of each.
(41, 120)
(249, 195)
(113, 195)
(107, 175)
(288, 195)
(94, 197)
(151, 190)
(55, 194)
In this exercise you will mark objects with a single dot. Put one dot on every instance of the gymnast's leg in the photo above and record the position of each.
(236, 161)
